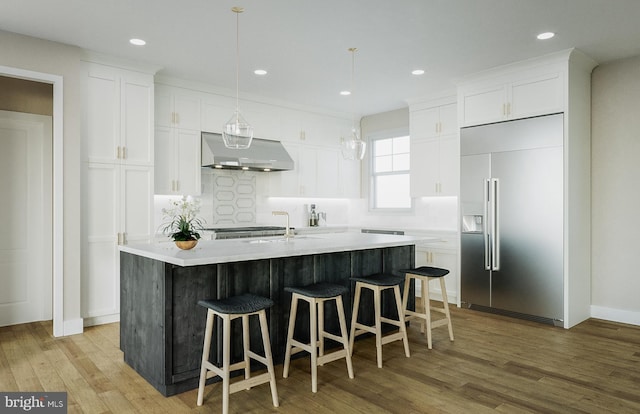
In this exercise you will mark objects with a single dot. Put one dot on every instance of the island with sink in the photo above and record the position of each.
(162, 326)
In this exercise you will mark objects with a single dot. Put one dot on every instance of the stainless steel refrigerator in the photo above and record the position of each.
(511, 203)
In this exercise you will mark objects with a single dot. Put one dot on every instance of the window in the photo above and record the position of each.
(390, 173)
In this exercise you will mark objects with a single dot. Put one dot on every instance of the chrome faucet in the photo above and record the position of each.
(287, 232)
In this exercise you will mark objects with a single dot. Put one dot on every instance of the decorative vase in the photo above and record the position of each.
(186, 244)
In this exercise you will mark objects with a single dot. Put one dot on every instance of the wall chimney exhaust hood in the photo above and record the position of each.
(262, 155)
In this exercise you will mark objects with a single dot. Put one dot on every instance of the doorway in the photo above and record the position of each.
(26, 265)
(55, 302)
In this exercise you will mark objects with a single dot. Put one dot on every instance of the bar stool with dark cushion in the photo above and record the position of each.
(229, 309)
(425, 274)
(316, 295)
(378, 283)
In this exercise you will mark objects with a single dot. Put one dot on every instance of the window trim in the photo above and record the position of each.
(396, 133)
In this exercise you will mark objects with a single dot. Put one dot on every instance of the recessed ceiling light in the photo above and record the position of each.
(260, 72)
(345, 93)
(417, 72)
(545, 35)
(137, 42)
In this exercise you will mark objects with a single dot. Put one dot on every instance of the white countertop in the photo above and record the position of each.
(238, 250)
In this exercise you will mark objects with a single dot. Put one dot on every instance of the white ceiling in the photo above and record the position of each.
(303, 43)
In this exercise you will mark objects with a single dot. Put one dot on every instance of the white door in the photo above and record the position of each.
(26, 268)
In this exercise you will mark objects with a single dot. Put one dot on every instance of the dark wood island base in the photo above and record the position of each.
(162, 327)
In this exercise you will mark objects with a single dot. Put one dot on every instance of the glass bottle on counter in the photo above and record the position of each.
(313, 216)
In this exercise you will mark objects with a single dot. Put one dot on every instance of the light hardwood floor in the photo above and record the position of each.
(496, 364)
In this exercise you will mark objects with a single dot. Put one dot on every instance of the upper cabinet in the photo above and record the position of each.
(177, 109)
(433, 121)
(119, 116)
(537, 90)
(177, 141)
(178, 160)
(434, 148)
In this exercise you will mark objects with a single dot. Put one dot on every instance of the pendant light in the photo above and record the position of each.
(353, 146)
(237, 133)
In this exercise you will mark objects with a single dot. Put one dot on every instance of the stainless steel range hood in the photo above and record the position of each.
(262, 155)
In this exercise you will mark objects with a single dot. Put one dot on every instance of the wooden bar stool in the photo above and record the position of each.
(377, 283)
(229, 309)
(425, 274)
(316, 295)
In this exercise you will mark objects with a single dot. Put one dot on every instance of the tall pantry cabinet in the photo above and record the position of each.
(117, 180)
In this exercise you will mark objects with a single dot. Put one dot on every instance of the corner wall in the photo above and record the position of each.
(38, 55)
(615, 190)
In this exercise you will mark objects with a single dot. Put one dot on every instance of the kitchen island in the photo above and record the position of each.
(162, 326)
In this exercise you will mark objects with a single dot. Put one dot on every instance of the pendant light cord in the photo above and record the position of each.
(353, 64)
(237, 64)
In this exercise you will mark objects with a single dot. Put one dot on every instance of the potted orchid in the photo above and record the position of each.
(182, 223)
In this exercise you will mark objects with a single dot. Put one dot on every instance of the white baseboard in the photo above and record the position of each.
(73, 327)
(101, 320)
(615, 315)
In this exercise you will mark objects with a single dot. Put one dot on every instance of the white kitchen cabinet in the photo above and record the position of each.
(349, 178)
(117, 180)
(318, 172)
(177, 108)
(442, 254)
(119, 116)
(177, 160)
(434, 121)
(434, 148)
(118, 207)
(537, 91)
(434, 167)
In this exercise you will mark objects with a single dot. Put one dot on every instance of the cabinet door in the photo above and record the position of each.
(103, 115)
(188, 162)
(482, 106)
(350, 178)
(100, 250)
(424, 167)
(179, 110)
(424, 123)
(537, 96)
(307, 171)
(449, 166)
(136, 204)
(137, 121)
(187, 112)
(163, 109)
(165, 171)
(286, 183)
(449, 119)
(327, 179)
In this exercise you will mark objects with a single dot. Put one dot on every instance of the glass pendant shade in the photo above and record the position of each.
(237, 133)
(353, 148)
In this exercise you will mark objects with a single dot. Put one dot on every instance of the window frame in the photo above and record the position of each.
(372, 174)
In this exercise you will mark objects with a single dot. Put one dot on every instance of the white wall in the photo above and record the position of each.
(616, 190)
(57, 59)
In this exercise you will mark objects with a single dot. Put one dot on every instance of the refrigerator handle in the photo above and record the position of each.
(495, 224)
(487, 224)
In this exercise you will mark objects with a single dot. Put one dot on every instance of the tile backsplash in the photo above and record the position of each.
(229, 197)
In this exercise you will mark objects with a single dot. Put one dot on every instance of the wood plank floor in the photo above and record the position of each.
(496, 364)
